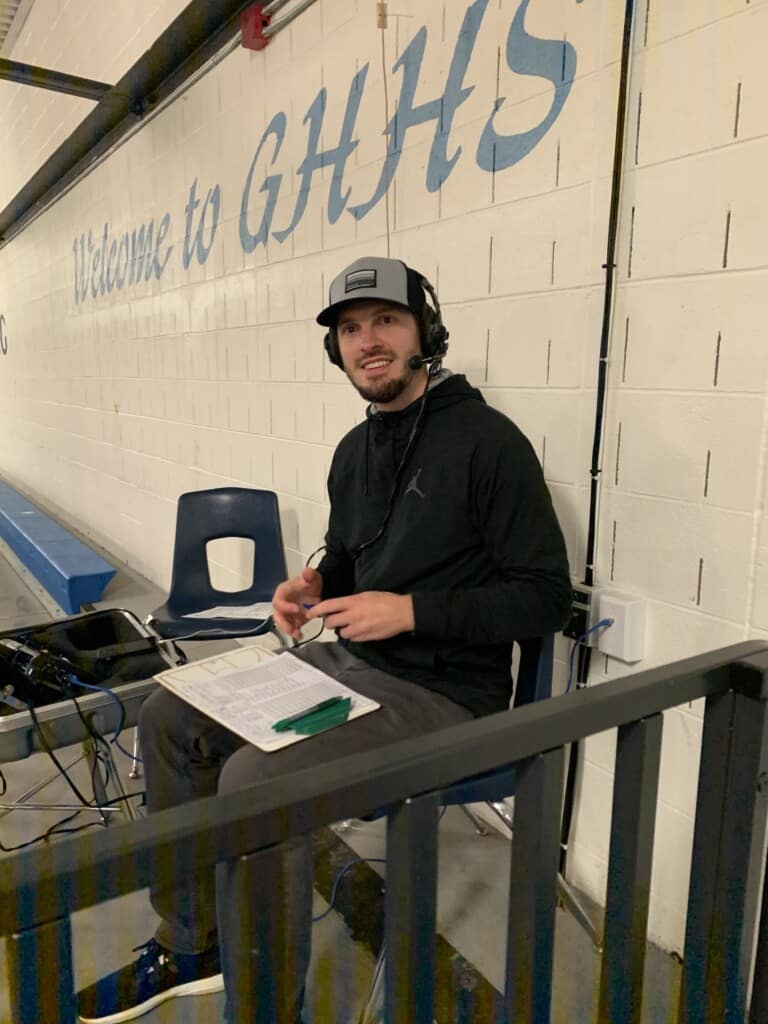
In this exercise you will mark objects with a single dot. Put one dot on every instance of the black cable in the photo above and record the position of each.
(337, 882)
(399, 473)
(111, 694)
(63, 680)
(610, 270)
(602, 380)
(309, 639)
(315, 552)
(54, 829)
(49, 751)
(101, 754)
(62, 685)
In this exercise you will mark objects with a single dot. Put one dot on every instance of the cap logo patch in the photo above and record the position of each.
(360, 279)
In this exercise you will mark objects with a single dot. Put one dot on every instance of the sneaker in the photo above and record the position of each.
(157, 975)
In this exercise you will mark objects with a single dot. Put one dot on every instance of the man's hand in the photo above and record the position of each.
(372, 615)
(291, 598)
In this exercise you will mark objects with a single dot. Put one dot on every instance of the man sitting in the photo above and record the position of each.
(442, 549)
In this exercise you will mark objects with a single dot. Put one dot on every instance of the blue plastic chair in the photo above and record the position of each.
(534, 682)
(204, 516)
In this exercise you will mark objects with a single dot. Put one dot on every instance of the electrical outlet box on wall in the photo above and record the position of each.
(625, 637)
(584, 615)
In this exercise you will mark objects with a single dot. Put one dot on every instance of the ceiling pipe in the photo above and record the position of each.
(46, 78)
(196, 36)
(286, 19)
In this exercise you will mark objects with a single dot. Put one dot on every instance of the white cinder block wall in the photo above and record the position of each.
(202, 366)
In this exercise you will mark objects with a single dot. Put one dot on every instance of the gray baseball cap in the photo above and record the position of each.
(374, 277)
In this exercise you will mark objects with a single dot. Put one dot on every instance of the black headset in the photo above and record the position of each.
(433, 334)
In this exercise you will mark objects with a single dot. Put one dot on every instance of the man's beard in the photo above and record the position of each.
(385, 391)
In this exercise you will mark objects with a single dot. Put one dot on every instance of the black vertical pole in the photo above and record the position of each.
(602, 374)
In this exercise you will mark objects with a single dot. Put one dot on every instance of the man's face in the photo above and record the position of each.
(376, 340)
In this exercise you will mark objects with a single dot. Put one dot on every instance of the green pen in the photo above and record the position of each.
(288, 723)
(311, 724)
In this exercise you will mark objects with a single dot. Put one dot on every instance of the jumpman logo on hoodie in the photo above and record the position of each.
(414, 485)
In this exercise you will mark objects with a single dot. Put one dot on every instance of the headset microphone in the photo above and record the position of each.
(416, 362)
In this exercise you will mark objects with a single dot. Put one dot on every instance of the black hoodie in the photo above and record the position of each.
(472, 536)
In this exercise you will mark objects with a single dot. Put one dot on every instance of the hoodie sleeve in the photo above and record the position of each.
(513, 513)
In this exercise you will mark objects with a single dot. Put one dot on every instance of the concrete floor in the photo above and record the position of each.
(472, 901)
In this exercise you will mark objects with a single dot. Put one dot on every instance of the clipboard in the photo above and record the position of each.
(250, 690)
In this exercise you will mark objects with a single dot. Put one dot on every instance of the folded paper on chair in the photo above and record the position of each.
(261, 610)
(249, 690)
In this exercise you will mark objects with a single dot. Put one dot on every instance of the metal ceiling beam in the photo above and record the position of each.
(202, 29)
(58, 81)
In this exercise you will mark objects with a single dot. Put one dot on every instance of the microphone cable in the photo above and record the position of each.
(398, 478)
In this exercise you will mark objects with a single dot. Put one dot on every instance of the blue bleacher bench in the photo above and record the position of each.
(70, 571)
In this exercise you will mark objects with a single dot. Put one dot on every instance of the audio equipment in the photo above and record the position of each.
(18, 657)
(29, 667)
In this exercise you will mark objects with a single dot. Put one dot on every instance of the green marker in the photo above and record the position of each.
(324, 705)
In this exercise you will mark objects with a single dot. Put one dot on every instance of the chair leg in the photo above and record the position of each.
(33, 790)
(501, 811)
(135, 769)
(570, 902)
(113, 775)
(373, 1009)
(565, 893)
(481, 829)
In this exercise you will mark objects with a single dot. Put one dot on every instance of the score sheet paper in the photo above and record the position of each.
(249, 689)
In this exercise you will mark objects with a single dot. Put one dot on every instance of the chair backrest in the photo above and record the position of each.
(203, 516)
(534, 672)
(534, 682)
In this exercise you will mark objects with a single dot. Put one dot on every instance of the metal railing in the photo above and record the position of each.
(40, 889)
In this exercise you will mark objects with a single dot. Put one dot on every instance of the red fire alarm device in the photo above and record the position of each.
(253, 21)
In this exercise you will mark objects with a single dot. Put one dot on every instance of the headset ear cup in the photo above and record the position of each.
(433, 333)
(331, 345)
(439, 336)
(436, 335)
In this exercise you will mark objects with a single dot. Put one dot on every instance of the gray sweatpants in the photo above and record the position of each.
(187, 756)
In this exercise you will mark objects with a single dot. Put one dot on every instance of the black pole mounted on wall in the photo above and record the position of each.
(610, 272)
(602, 381)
